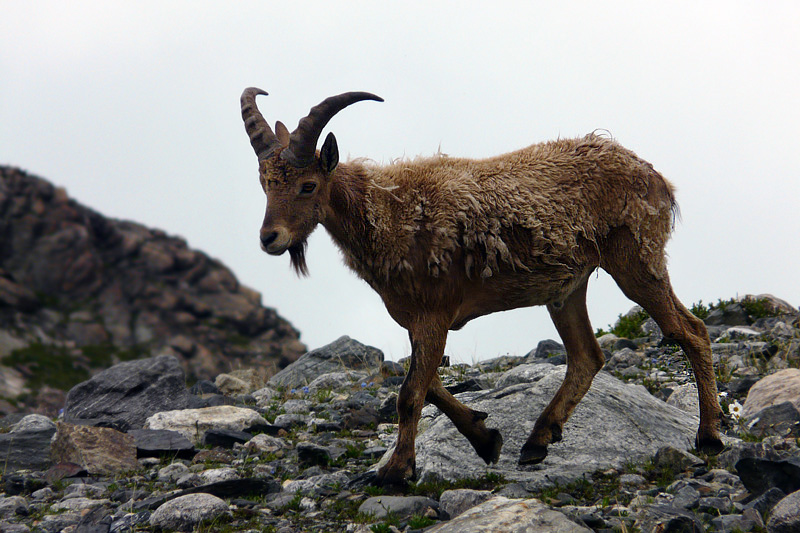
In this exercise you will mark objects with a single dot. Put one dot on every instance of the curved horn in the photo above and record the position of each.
(262, 138)
(303, 141)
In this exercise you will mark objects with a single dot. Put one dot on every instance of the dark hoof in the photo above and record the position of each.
(532, 454)
(391, 484)
(710, 446)
(478, 415)
(490, 451)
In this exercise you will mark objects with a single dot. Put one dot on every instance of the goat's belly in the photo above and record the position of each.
(512, 292)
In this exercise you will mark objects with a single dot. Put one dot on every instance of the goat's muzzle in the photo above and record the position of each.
(275, 242)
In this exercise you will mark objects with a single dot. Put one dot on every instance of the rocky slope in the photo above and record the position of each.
(80, 292)
(136, 452)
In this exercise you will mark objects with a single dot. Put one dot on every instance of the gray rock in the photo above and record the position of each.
(624, 358)
(342, 354)
(156, 442)
(309, 453)
(782, 386)
(545, 349)
(218, 475)
(781, 419)
(288, 421)
(613, 425)
(225, 438)
(172, 472)
(732, 315)
(686, 498)
(675, 460)
(338, 380)
(33, 423)
(402, 506)
(685, 398)
(455, 502)
(759, 475)
(129, 392)
(186, 512)
(13, 505)
(130, 522)
(193, 423)
(764, 503)
(651, 327)
(527, 373)
(666, 518)
(11, 527)
(732, 522)
(509, 516)
(785, 516)
(296, 406)
(26, 449)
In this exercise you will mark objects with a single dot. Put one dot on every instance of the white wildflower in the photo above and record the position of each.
(735, 409)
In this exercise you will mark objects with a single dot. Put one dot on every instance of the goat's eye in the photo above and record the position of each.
(308, 187)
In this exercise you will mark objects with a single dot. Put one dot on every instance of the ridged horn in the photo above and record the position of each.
(303, 140)
(262, 138)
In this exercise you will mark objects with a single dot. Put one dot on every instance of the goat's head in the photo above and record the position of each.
(294, 175)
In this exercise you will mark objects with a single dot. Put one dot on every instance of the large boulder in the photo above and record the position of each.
(125, 395)
(614, 424)
(782, 386)
(342, 354)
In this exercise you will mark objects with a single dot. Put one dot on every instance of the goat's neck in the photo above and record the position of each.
(346, 215)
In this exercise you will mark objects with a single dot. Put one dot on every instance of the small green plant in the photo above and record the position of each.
(629, 326)
(372, 490)
(700, 310)
(381, 528)
(420, 522)
(294, 503)
(435, 488)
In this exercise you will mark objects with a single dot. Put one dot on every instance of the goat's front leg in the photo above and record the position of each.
(428, 336)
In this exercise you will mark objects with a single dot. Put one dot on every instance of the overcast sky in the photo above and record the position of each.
(133, 107)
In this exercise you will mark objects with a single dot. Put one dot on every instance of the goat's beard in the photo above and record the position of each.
(297, 257)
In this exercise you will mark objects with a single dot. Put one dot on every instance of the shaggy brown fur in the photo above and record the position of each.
(444, 240)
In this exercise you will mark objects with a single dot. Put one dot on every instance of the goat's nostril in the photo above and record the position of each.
(268, 239)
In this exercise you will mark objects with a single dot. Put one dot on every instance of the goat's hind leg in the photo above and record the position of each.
(469, 422)
(584, 360)
(656, 296)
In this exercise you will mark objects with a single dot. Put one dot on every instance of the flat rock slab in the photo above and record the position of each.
(510, 516)
(155, 442)
(193, 423)
(614, 424)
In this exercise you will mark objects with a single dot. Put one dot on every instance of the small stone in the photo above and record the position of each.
(402, 506)
(186, 512)
(313, 454)
(454, 502)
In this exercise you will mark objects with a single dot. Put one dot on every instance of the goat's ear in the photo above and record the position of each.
(282, 132)
(329, 155)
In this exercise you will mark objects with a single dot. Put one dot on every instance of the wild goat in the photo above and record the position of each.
(445, 240)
